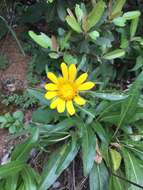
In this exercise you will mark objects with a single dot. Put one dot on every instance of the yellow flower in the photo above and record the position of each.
(65, 90)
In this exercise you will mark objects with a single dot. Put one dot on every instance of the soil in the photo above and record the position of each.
(17, 61)
(16, 71)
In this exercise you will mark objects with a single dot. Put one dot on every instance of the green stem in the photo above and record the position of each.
(13, 34)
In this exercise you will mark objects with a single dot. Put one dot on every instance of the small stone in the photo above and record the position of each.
(57, 184)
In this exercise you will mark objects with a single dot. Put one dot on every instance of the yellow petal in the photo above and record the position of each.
(50, 95)
(72, 72)
(52, 77)
(54, 103)
(86, 86)
(51, 87)
(64, 69)
(61, 80)
(79, 100)
(61, 105)
(70, 107)
(81, 78)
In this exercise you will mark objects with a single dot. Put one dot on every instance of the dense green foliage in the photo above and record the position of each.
(105, 40)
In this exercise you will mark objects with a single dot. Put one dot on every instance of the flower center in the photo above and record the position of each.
(67, 91)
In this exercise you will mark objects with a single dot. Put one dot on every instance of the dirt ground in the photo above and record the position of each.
(17, 62)
(16, 70)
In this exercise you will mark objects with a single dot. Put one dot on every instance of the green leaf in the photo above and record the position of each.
(115, 183)
(11, 182)
(87, 111)
(29, 179)
(12, 129)
(117, 8)
(58, 162)
(50, 1)
(43, 116)
(94, 35)
(54, 55)
(11, 168)
(131, 15)
(100, 131)
(124, 39)
(82, 63)
(79, 12)
(138, 39)
(22, 150)
(68, 154)
(107, 96)
(22, 186)
(133, 27)
(39, 95)
(116, 159)
(60, 127)
(42, 39)
(114, 54)
(88, 148)
(3, 119)
(18, 115)
(98, 178)
(119, 21)
(112, 117)
(133, 167)
(72, 22)
(61, 10)
(69, 59)
(129, 106)
(96, 14)
(139, 63)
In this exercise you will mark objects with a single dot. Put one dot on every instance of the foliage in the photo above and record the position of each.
(13, 122)
(105, 40)
(23, 101)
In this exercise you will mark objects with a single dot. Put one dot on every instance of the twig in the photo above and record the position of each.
(93, 2)
(81, 184)
(110, 8)
(73, 175)
(13, 34)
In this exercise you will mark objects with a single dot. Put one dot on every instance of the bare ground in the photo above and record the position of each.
(16, 70)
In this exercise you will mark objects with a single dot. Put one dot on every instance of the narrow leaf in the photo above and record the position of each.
(115, 183)
(129, 106)
(117, 8)
(133, 27)
(94, 35)
(57, 162)
(21, 151)
(114, 54)
(96, 14)
(39, 95)
(131, 15)
(28, 179)
(119, 21)
(11, 168)
(133, 169)
(72, 22)
(42, 39)
(98, 178)
(88, 148)
(11, 182)
(116, 159)
(108, 96)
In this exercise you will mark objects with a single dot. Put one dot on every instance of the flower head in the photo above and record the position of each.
(65, 90)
